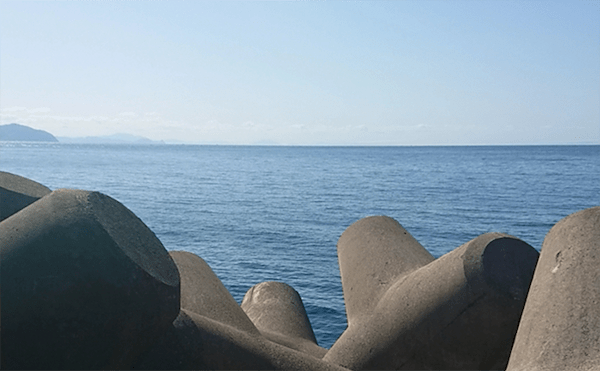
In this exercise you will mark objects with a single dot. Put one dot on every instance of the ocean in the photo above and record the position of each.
(275, 213)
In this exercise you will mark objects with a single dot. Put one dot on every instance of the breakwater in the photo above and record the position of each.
(85, 284)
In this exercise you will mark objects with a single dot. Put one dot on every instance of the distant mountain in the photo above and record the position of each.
(22, 133)
(110, 139)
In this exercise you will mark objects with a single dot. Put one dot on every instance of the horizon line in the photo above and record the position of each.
(176, 143)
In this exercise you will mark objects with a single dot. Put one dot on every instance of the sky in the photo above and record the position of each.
(305, 72)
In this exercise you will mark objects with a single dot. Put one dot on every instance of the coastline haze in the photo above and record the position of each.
(305, 73)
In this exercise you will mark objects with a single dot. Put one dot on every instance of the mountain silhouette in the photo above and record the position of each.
(22, 133)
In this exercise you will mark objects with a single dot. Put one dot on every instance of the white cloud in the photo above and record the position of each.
(13, 109)
(40, 110)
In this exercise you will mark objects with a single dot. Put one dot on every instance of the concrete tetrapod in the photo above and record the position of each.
(85, 284)
(17, 193)
(459, 312)
(560, 326)
(195, 342)
(202, 292)
(278, 312)
(373, 253)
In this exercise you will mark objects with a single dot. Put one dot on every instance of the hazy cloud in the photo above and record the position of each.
(12, 109)
(151, 126)
(41, 110)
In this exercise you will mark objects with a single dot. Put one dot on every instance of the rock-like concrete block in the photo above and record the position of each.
(458, 312)
(373, 253)
(17, 193)
(560, 326)
(85, 284)
(202, 292)
(278, 312)
(195, 342)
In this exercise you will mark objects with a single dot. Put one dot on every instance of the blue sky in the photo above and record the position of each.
(302, 72)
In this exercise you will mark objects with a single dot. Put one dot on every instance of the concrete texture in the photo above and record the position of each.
(560, 326)
(202, 292)
(276, 309)
(373, 253)
(17, 193)
(195, 342)
(458, 312)
(85, 284)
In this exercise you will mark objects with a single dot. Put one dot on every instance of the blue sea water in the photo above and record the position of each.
(273, 213)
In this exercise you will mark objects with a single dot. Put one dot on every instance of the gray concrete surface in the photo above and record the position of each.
(195, 342)
(202, 292)
(17, 192)
(373, 253)
(459, 312)
(85, 284)
(276, 309)
(560, 326)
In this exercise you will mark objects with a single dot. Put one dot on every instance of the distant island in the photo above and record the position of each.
(111, 139)
(22, 133)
